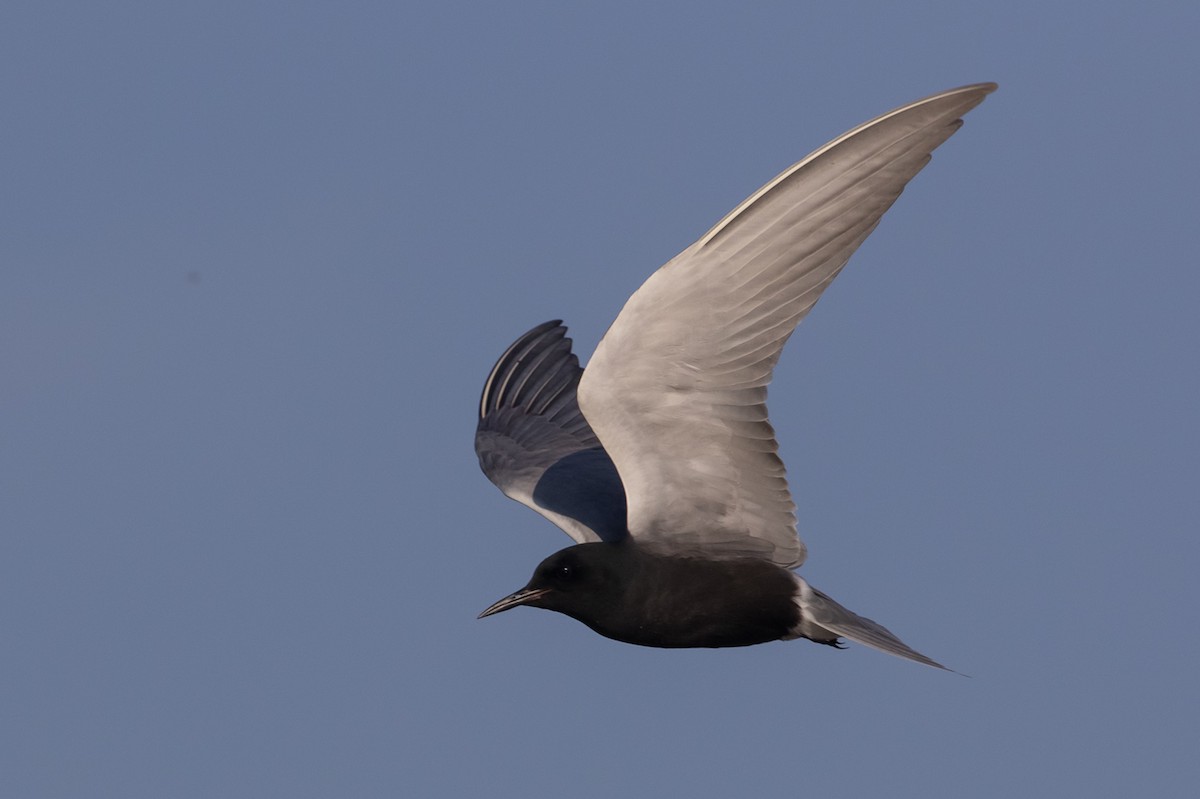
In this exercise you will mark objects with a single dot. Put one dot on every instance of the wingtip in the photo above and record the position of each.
(961, 100)
(987, 87)
(492, 392)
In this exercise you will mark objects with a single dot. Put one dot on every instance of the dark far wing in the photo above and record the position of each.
(535, 445)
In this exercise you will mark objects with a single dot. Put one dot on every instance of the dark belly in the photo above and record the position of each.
(702, 603)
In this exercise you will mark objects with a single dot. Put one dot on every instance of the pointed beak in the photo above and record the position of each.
(522, 597)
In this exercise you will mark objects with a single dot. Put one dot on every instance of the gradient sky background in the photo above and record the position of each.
(257, 258)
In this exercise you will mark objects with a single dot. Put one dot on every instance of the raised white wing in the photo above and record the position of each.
(677, 389)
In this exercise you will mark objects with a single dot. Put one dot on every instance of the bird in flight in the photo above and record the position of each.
(658, 459)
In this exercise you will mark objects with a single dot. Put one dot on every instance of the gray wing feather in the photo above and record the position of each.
(677, 388)
(535, 444)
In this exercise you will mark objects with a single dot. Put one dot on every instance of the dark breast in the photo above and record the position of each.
(692, 602)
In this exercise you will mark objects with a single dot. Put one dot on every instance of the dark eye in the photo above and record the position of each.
(566, 572)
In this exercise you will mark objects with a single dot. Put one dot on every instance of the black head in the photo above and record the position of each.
(573, 581)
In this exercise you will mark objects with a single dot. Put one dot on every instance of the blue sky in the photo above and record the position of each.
(257, 258)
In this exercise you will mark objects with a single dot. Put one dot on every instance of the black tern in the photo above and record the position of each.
(658, 459)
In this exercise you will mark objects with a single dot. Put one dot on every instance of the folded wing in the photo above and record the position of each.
(535, 445)
(677, 388)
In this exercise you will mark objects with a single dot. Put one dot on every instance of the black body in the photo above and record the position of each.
(631, 594)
